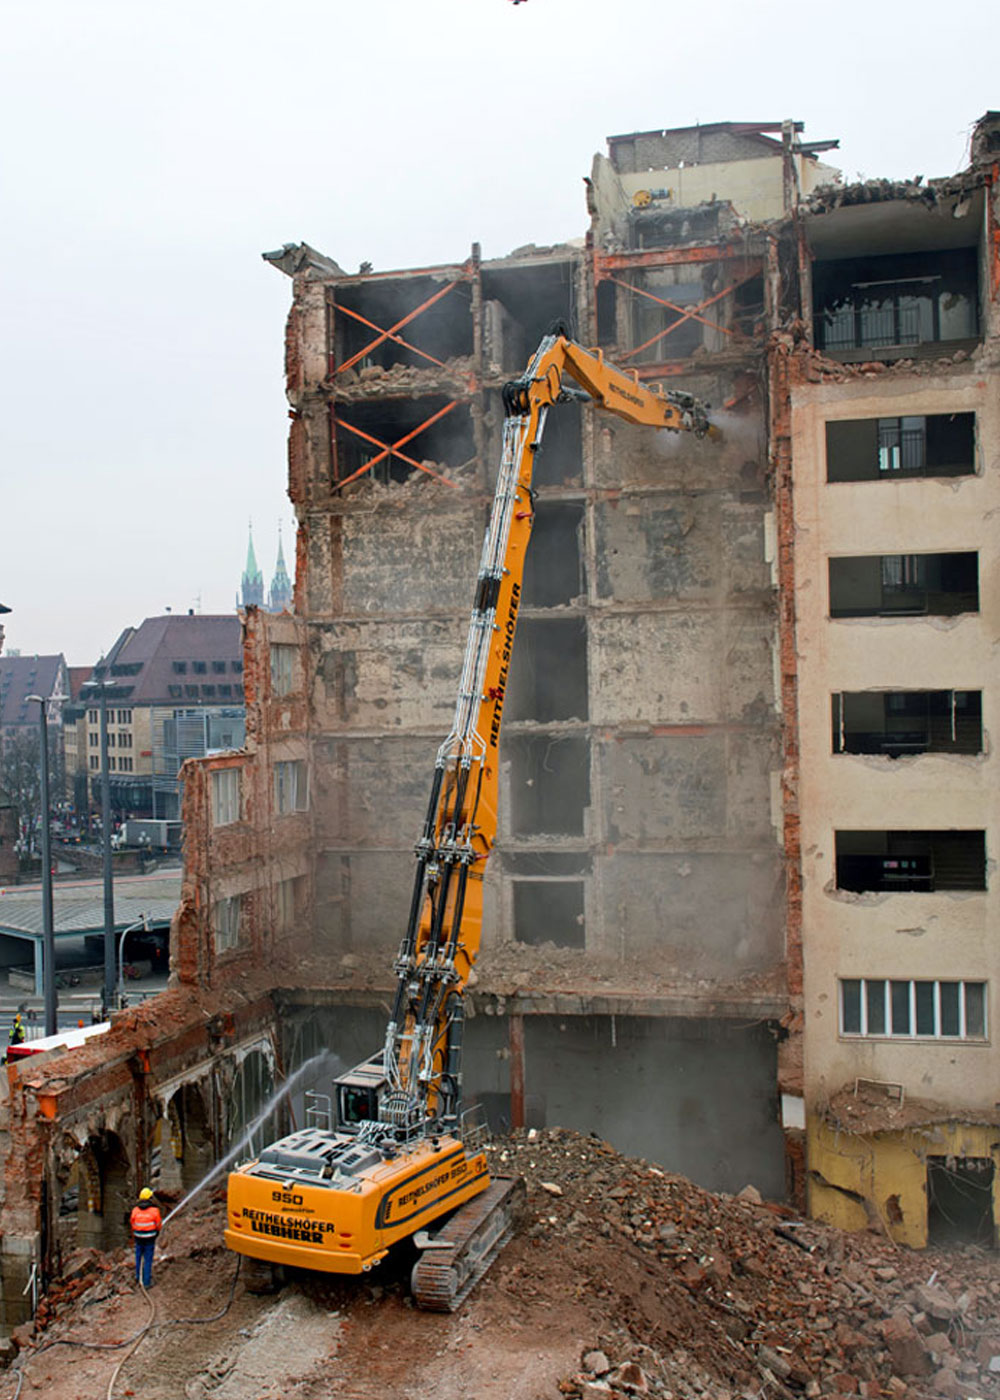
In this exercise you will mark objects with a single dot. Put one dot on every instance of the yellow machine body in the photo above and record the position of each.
(347, 1230)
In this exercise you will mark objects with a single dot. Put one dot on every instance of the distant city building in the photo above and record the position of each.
(74, 735)
(178, 694)
(252, 584)
(252, 592)
(21, 676)
(280, 596)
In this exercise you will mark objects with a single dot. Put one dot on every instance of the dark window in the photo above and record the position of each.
(225, 691)
(960, 1201)
(520, 305)
(549, 911)
(907, 861)
(443, 330)
(191, 691)
(548, 679)
(558, 462)
(875, 1006)
(892, 585)
(550, 784)
(896, 722)
(200, 668)
(553, 574)
(895, 301)
(887, 449)
(218, 668)
(850, 1006)
(174, 691)
(900, 994)
(180, 668)
(434, 432)
(208, 690)
(237, 667)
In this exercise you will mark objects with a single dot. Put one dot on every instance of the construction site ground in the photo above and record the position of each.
(624, 1280)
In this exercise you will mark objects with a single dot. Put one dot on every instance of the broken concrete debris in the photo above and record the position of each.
(669, 1291)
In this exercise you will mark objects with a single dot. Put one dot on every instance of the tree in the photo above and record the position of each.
(21, 777)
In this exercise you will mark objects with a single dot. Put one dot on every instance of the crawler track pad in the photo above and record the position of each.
(466, 1245)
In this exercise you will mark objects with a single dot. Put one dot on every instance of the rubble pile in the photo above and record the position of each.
(624, 1281)
(713, 1296)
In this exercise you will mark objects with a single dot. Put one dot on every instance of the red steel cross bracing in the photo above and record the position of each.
(684, 313)
(388, 450)
(390, 334)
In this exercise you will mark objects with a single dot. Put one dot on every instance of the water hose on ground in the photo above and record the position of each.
(131, 1342)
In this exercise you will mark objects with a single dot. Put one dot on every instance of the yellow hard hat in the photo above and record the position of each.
(145, 1194)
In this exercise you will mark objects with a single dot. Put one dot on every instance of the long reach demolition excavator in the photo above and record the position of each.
(392, 1153)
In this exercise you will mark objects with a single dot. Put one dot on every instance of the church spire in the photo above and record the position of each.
(281, 584)
(253, 579)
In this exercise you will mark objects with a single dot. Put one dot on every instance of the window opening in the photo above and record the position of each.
(960, 1201)
(896, 301)
(282, 668)
(225, 796)
(893, 585)
(912, 1009)
(895, 862)
(549, 911)
(227, 923)
(886, 449)
(290, 786)
(895, 723)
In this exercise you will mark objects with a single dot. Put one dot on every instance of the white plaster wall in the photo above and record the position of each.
(905, 935)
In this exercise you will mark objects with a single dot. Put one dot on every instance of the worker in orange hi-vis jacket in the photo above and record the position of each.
(146, 1225)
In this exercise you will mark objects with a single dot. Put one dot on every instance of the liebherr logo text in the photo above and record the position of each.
(459, 1169)
(624, 394)
(286, 1227)
(508, 643)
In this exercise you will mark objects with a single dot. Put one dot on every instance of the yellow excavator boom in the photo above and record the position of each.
(401, 1154)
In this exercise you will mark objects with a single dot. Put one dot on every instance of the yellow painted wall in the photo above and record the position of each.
(889, 1172)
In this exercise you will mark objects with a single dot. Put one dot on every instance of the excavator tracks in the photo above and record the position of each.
(457, 1256)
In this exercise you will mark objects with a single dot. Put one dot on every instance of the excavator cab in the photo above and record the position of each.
(359, 1094)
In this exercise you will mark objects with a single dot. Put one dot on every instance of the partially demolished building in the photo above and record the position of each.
(738, 916)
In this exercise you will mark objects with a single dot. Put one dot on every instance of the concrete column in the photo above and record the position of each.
(170, 1167)
(516, 1042)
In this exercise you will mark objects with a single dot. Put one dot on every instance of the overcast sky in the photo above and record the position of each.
(152, 151)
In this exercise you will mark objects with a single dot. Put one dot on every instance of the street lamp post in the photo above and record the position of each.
(48, 924)
(142, 922)
(102, 690)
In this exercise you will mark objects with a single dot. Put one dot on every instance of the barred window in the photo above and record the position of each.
(225, 796)
(910, 1010)
(226, 917)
